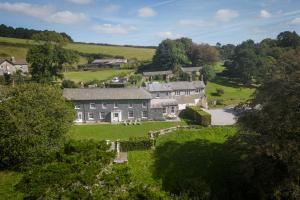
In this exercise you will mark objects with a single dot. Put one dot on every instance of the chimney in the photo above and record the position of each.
(13, 60)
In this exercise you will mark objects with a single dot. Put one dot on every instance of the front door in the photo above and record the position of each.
(79, 117)
(116, 117)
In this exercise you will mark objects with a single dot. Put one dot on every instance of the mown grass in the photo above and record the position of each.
(234, 92)
(7, 182)
(142, 163)
(94, 75)
(128, 52)
(119, 131)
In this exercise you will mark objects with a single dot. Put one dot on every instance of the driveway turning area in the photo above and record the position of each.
(223, 116)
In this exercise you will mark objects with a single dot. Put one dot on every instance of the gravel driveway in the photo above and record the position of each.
(223, 116)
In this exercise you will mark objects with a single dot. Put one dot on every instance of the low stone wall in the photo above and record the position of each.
(155, 134)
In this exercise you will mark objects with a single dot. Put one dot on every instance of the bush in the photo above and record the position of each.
(69, 84)
(219, 91)
(199, 116)
(134, 144)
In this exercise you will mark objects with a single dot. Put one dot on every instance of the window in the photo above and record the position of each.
(91, 116)
(197, 90)
(130, 105)
(144, 104)
(130, 114)
(164, 110)
(144, 114)
(77, 106)
(102, 115)
(172, 109)
(177, 92)
(116, 105)
(104, 106)
(92, 106)
(187, 92)
(157, 95)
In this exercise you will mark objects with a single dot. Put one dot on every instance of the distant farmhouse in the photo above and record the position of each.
(102, 63)
(11, 66)
(166, 75)
(157, 101)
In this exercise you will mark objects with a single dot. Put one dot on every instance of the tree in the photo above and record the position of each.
(202, 54)
(33, 121)
(208, 73)
(169, 54)
(272, 163)
(48, 58)
(69, 84)
(288, 39)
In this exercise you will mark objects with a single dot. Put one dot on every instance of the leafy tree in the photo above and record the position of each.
(272, 163)
(169, 54)
(288, 39)
(33, 121)
(208, 73)
(48, 58)
(82, 170)
(202, 54)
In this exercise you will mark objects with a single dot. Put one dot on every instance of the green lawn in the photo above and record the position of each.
(114, 132)
(142, 163)
(7, 183)
(101, 75)
(127, 52)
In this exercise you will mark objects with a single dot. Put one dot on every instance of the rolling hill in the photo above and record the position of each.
(18, 48)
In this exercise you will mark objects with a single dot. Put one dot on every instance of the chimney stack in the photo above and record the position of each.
(13, 60)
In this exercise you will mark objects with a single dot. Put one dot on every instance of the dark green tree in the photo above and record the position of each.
(33, 121)
(202, 54)
(208, 73)
(288, 39)
(49, 57)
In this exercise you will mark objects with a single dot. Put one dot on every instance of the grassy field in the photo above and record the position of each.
(127, 52)
(114, 132)
(142, 163)
(7, 182)
(94, 75)
(234, 93)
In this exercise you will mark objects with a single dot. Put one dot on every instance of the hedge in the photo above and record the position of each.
(134, 144)
(199, 116)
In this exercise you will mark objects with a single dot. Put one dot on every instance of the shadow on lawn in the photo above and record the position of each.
(199, 169)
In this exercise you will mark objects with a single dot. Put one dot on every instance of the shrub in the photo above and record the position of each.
(219, 101)
(198, 115)
(69, 84)
(134, 144)
(220, 91)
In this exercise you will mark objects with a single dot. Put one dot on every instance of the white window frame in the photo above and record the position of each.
(146, 114)
(130, 111)
(104, 105)
(172, 109)
(157, 95)
(144, 106)
(165, 110)
(92, 107)
(77, 107)
(116, 105)
(187, 92)
(130, 105)
(102, 116)
(91, 118)
(177, 92)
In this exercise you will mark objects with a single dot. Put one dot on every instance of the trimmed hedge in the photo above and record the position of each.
(134, 144)
(199, 116)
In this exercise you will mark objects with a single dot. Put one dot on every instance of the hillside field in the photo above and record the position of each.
(128, 52)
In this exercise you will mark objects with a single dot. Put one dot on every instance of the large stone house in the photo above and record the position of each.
(157, 101)
(12, 66)
(116, 105)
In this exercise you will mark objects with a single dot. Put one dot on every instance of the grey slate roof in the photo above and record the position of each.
(191, 69)
(159, 103)
(154, 73)
(106, 93)
(171, 86)
(156, 87)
